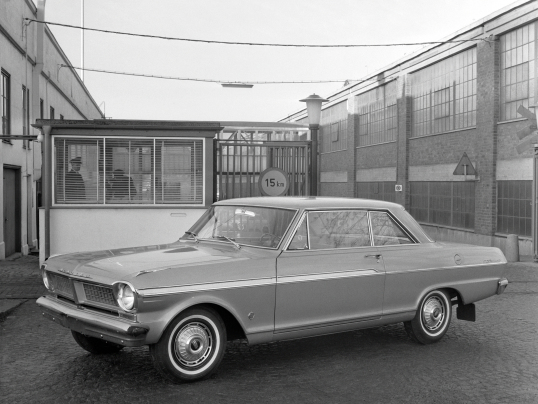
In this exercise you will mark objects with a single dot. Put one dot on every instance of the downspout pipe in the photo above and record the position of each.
(38, 68)
(47, 184)
(46, 149)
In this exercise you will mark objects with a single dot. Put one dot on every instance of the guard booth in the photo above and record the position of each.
(115, 183)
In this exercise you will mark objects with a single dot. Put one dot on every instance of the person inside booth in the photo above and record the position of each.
(75, 189)
(121, 186)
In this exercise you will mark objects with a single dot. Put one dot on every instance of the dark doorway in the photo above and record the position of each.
(12, 211)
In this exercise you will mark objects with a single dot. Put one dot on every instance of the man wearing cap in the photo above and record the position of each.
(74, 184)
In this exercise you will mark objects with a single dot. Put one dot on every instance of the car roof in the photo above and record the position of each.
(310, 202)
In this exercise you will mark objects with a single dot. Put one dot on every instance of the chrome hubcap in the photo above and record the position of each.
(433, 313)
(193, 344)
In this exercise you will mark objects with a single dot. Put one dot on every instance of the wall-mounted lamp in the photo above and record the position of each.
(45, 130)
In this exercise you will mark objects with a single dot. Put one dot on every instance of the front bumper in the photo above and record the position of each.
(118, 331)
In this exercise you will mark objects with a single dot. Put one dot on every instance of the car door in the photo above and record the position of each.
(329, 273)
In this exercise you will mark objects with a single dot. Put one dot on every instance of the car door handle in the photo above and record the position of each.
(376, 256)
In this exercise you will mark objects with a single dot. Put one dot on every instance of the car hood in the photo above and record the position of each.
(128, 263)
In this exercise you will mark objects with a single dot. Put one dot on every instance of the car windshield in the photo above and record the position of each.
(246, 225)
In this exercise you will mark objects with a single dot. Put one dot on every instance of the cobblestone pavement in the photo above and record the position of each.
(494, 360)
(20, 278)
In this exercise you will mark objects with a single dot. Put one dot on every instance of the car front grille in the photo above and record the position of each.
(61, 284)
(99, 294)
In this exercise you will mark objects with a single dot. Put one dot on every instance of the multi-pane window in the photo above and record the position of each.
(128, 171)
(333, 128)
(382, 191)
(444, 95)
(517, 70)
(514, 207)
(378, 121)
(444, 203)
(5, 101)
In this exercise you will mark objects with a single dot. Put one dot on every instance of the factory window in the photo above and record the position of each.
(443, 203)
(5, 104)
(123, 171)
(333, 128)
(444, 95)
(382, 191)
(378, 115)
(514, 207)
(517, 71)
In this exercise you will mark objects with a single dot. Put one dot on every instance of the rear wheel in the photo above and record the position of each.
(432, 318)
(94, 345)
(191, 347)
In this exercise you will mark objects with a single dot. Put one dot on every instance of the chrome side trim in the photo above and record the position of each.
(405, 271)
(323, 276)
(328, 324)
(204, 287)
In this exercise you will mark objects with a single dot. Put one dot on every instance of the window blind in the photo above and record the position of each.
(128, 171)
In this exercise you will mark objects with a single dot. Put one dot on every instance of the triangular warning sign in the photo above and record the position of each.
(465, 167)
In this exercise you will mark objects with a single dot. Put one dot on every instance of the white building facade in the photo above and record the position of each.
(33, 85)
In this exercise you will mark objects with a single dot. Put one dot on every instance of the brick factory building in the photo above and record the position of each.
(401, 134)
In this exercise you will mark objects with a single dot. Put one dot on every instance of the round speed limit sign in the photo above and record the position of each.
(273, 182)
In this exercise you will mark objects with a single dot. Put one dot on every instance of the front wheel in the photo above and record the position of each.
(432, 319)
(94, 345)
(191, 347)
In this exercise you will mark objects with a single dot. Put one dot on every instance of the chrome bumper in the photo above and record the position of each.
(501, 286)
(92, 324)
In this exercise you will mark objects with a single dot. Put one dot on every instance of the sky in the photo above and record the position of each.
(271, 21)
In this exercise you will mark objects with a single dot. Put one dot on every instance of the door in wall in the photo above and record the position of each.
(11, 217)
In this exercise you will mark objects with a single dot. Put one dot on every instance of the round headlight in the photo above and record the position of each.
(126, 297)
(45, 279)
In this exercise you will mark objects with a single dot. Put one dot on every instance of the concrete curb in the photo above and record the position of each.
(7, 306)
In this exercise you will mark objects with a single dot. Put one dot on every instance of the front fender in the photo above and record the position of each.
(252, 307)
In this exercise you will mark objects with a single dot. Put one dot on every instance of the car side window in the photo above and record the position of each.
(386, 231)
(300, 239)
(338, 229)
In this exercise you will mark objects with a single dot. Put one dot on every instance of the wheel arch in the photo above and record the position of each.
(452, 290)
(234, 328)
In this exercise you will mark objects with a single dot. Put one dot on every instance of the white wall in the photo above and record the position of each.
(61, 89)
(75, 230)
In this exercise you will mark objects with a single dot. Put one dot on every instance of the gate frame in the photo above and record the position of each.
(306, 145)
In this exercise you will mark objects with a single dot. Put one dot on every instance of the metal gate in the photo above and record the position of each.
(239, 165)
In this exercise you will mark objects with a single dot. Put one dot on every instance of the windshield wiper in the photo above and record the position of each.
(193, 235)
(230, 240)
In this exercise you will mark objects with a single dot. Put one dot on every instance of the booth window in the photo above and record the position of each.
(137, 171)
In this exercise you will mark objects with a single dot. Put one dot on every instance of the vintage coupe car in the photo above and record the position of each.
(268, 269)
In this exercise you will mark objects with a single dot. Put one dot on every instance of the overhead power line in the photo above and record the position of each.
(217, 81)
(456, 41)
